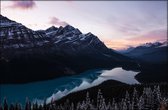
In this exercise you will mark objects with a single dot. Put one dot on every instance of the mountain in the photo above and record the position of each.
(150, 52)
(72, 41)
(30, 55)
(16, 36)
(123, 51)
(152, 58)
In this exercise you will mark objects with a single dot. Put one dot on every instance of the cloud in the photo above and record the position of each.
(58, 22)
(28, 4)
(117, 44)
(152, 36)
(129, 29)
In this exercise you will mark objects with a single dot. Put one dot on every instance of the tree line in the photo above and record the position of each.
(148, 99)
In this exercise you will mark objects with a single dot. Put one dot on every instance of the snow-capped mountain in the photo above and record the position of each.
(67, 40)
(164, 44)
(52, 52)
(15, 35)
(150, 52)
(70, 39)
(146, 46)
(153, 45)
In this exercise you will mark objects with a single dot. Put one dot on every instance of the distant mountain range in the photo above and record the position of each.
(153, 61)
(30, 55)
(149, 52)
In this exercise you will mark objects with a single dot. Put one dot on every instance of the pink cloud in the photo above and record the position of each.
(19, 4)
(151, 36)
(129, 29)
(58, 22)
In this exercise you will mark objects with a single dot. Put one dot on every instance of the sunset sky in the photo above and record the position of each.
(119, 24)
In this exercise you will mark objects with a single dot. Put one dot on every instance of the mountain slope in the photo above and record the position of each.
(38, 55)
(153, 60)
(15, 35)
(150, 52)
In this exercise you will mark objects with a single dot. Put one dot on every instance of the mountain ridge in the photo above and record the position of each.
(153, 58)
(51, 53)
(155, 52)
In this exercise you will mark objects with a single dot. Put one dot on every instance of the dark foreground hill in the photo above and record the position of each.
(114, 95)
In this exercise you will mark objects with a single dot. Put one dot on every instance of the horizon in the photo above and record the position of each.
(141, 22)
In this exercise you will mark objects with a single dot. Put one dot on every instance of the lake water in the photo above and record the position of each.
(60, 87)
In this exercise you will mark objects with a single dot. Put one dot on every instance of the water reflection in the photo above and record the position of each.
(57, 88)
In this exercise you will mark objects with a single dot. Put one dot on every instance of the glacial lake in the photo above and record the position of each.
(60, 87)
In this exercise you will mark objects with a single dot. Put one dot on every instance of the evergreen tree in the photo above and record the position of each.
(109, 107)
(113, 104)
(11, 107)
(28, 104)
(67, 104)
(158, 93)
(1, 107)
(88, 102)
(44, 105)
(135, 99)
(5, 105)
(141, 103)
(72, 106)
(17, 106)
(78, 106)
(98, 97)
(35, 106)
(116, 107)
(40, 107)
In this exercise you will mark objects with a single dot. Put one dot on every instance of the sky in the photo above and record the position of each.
(119, 24)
